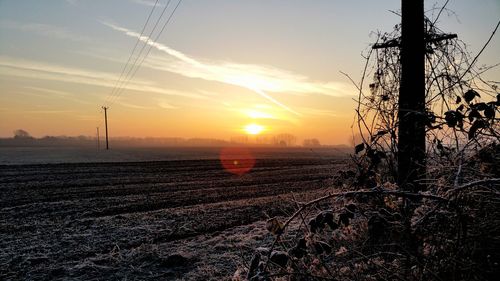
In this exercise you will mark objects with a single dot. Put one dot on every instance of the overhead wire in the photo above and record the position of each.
(127, 76)
(125, 66)
(149, 41)
(139, 39)
(118, 90)
(133, 51)
(148, 51)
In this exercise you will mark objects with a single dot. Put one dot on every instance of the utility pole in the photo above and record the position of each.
(411, 131)
(106, 125)
(98, 141)
(411, 107)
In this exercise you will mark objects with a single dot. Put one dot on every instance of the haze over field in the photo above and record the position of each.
(220, 69)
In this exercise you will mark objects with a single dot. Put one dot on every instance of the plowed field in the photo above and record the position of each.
(167, 220)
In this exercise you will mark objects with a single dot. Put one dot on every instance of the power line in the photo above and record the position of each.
(149, 50)
(135, 67)
(140, 52)
(115, 88)
(133, 50)
(128, 76)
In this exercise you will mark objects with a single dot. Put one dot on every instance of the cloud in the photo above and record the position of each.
(133, 106)
(57, 94)
(258, 114)
(39, 70)
(150, 3)
(47, 111)
(84, 117)
(166, 105)
(169, 92)
(44, 30)
(71, 2)
(315, 111)
(50, 91)
(258, 78)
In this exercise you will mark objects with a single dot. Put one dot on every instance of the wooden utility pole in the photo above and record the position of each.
(98, 140)
(411, 113)
(106, 125)
(411, 107)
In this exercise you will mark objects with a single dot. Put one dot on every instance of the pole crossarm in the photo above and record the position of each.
(389, 44)
(414, 42)
(439, 37)
(396, 43)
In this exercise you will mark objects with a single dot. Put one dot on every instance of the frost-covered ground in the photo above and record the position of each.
(85, 154)
(178, 219)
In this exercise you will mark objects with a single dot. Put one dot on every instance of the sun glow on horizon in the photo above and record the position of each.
(253, 129)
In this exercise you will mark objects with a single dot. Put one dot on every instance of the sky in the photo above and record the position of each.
(219, 69)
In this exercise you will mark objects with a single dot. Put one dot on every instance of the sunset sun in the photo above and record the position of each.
(253, 129)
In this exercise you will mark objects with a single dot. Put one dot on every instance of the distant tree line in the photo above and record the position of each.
(24, 138)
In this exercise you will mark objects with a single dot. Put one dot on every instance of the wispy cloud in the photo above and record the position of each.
(133, 106)
(50, 91)
(47, 111)
(71, 2)
(165, 104)
(258, 78)
(57, 94)
(39, 70)
(150, 3)
(315, 111)
(193, 95)
(84, 117)
(44, 30)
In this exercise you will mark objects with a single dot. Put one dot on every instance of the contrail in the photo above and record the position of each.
(193, 62)
(262, 93)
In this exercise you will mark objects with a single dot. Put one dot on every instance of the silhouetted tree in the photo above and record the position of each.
(22, 134)
(285, 140)
(311, 143)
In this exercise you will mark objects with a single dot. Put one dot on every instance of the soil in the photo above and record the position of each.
(167, 220)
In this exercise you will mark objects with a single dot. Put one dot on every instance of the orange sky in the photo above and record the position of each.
(218, 66)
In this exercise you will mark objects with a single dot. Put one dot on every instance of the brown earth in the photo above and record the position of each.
(167, 220)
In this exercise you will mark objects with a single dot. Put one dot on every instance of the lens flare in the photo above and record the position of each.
(238, 161)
